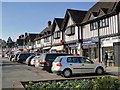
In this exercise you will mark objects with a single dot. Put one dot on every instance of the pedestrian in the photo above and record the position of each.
(105, 59)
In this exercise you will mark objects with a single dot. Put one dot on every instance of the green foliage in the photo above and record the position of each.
(100, 83)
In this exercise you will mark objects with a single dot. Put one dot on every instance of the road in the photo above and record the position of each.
(13, 71)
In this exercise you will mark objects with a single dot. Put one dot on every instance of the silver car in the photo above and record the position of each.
(68, 65)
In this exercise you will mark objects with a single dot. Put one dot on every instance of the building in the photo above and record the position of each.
(57, 36)
(101, 30)
(72, 30)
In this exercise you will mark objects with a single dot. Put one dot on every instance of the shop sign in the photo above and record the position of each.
(94, 39)
(88, 43)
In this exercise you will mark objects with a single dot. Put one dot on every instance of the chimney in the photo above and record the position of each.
(49, 23)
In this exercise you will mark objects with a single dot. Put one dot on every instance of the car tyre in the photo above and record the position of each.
(99, 71)
(67, 73)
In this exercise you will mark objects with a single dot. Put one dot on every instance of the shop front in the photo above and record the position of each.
(46, 49)
(90, 50)
(72, 48)
(57, 49)
(107, 45)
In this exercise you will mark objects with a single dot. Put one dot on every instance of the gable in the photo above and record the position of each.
(91, 17)
(56, 28)
(70, 22)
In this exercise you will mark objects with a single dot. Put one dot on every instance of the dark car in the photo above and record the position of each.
(46, 60)
(23, 56)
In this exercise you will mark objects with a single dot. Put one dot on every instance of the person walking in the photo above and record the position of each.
(105, 59)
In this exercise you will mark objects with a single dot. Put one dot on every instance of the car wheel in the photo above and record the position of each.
(99, 70)
(67, 73)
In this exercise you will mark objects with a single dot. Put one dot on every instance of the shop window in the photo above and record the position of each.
(70, 31)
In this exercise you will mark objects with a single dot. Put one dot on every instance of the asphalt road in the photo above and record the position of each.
(13, 71)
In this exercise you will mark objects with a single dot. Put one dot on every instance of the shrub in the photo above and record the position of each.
(104, 83)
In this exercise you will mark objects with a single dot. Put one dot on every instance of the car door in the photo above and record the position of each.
(87, 65)
(74, 64)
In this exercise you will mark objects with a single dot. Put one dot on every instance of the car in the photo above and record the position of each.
(33, 60)
(23, 56)
(11, 57)
(46, 60)
(15, 57)
(37, 62)
(29, 59)
(68, 65)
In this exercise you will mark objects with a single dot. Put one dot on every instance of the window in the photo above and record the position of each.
(104, 23)
(93, 26)
(38, 42)
(73, 60)
(86, 61)
(57, 35)
(46, 39)
(70, 31)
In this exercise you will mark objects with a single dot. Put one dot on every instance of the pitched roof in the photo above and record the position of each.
(46, 30)
(106, 7)
(57, 21)
(76, 15)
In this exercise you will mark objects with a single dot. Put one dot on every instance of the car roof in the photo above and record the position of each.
(71, 56)
(55, 53)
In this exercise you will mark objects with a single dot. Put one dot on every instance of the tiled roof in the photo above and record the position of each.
(76, 15)
(57, 21)
(106, 7)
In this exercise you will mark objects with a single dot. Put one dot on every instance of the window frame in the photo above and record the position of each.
(70, 30)
(56, 35)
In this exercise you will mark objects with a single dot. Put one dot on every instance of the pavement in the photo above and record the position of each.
(115, 71)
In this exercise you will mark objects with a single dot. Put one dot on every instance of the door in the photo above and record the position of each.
(87, 65)
(74, 64)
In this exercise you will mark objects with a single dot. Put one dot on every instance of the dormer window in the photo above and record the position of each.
(57, 35)
(70, 31)
(104, 23)
(93, 26)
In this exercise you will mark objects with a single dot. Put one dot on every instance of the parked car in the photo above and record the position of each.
(23, 56)
(46, 60)
(29, 59)
(37, 62)
(15, 57)
(68, 65)
(33, 60)
(11, 57)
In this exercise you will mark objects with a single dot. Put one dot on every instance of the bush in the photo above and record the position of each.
(104, 83)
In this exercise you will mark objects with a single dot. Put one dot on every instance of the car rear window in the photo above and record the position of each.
(52, 57)
(58, 59)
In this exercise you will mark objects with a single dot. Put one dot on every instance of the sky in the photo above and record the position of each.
(32, 17)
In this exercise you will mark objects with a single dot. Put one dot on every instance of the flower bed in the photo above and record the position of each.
(105, 83)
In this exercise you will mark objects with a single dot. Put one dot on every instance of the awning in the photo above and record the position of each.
(46, 47)
(58, 48)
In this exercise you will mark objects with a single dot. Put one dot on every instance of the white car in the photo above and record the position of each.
(33, 60)
(68, 65)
